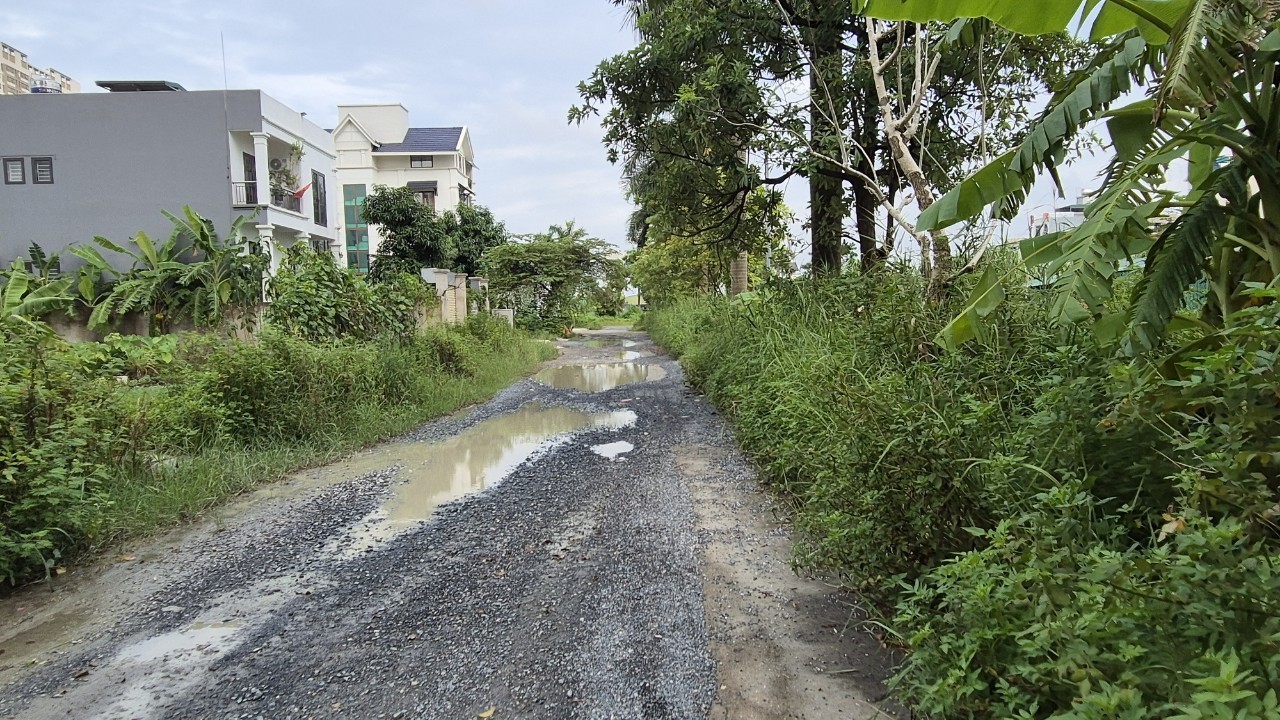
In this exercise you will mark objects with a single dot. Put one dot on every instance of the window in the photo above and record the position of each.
(42, 170)
(15, 171)
(319, 199)
(421, 161)
(357, 230)
(427, 198)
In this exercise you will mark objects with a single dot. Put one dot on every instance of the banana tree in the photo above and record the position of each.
(22, 299)
(1213, 100)
(191, 274)
(223, 275)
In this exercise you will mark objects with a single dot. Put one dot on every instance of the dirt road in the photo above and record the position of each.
(588, 544)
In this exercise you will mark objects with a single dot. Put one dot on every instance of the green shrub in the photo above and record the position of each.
(58, 430)
(314, 299)
(455, 351)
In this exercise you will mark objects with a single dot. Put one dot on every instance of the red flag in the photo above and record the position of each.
(301, 191)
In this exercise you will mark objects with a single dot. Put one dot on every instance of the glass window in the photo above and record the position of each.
(427, 198)
(319, 199)
(357, 230)
(42, 170)
(15, 171)
(421, 161)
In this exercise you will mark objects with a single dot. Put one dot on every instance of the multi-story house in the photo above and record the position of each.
(376, 146)
(78, 165)
(19, 77)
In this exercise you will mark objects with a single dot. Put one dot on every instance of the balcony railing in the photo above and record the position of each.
(244, 193)
(287, 201)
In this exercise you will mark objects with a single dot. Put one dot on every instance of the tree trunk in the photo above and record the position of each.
(828, 205)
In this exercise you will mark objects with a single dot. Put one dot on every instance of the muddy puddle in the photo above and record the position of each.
(598, 378)
(431, 474)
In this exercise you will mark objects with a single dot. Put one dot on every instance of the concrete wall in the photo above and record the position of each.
(118, 160)
(384, 123)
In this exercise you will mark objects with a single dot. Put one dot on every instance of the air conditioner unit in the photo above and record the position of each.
(278, 164)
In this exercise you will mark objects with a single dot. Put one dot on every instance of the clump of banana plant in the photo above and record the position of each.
(1213, 100)
(193, 274)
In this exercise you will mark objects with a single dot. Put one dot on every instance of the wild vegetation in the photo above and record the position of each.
(556, 278)
(1051, 467)
(105, 440)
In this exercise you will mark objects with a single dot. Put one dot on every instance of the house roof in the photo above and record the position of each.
(140, 85)
(425, 140)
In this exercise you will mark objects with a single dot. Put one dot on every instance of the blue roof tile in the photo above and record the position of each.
(426, 140)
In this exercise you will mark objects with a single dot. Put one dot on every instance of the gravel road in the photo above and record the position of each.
(558, 552)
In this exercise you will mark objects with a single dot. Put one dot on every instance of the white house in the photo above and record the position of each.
(376, 146)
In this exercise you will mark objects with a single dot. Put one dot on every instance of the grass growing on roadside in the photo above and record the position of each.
(152, 499)
(106, 441)
(1051, 531)
(599, 322)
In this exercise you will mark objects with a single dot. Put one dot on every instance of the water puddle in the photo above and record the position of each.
(630, 355)
(613, 450)
(205, 638)
(598, 378)
(432, 474)
(38, 636)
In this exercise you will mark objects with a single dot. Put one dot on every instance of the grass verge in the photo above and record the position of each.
(143, 503)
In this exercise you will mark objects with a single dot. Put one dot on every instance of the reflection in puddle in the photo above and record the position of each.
(431, 474)
(203, 637)
(597, 378)
(630, 355)
(613, 450)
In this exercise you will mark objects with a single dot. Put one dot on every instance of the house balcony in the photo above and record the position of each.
(245, 194)
(287, 201)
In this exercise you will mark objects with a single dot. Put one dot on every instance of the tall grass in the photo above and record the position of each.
(854, 415)
(1049, 531)
(150, 498)
(89, 460)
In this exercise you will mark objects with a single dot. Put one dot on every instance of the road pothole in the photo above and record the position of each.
(431, 474)
(598, 378)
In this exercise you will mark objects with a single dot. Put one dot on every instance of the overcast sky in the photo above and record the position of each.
(507, 68)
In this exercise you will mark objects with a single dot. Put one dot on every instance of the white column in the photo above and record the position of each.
(304, 238)
(262, 166)
(266, 236)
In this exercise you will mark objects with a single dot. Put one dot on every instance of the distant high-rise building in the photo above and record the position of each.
(20, 77)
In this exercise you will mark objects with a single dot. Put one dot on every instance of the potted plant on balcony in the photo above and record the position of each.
(284, 177)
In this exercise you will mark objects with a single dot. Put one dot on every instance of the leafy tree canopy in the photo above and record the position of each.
(413, 236)
(548, 277)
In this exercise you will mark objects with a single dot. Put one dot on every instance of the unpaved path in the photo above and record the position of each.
(558, 552)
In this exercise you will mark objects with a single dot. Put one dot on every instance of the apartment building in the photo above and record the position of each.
(78, 165)
(376, 146)
(19, 77)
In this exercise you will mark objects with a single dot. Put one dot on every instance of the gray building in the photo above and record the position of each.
(73, 166)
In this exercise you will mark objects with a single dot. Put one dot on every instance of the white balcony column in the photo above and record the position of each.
(262, 167)
(266, 236)
(304, 238)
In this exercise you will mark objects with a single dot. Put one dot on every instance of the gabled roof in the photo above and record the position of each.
(349, 120)
(426, 140)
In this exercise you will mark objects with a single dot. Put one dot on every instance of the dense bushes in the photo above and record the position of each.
(1052, 533)
(107, 439)
(315, 299)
